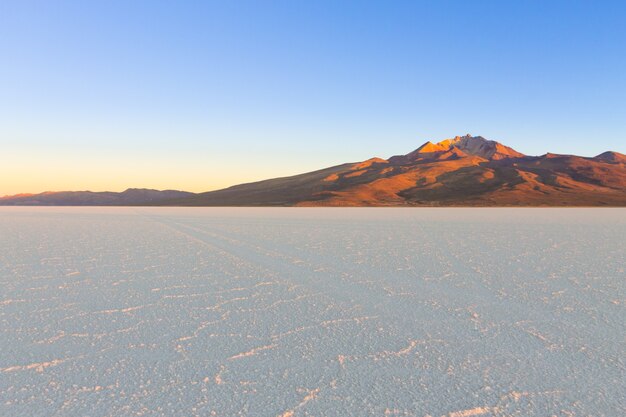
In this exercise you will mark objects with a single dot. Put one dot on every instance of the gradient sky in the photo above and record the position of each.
(106, 95)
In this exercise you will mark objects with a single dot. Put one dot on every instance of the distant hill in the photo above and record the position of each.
(130, 197)
(462, 171)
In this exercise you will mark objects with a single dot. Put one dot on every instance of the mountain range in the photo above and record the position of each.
(462, 171)
(130, 197)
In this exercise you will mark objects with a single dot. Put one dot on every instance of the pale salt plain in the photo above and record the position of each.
(312, 312)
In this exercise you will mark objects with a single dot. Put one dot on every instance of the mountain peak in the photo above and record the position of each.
(429, 147)
(484, 148)
(468, 144)
(610, 156)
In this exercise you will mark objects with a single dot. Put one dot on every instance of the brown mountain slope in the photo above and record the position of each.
(275, 192)
(463, 171)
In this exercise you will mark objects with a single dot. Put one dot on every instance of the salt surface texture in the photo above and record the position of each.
(321, 312)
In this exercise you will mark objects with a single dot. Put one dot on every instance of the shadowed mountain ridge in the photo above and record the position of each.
(129, 197)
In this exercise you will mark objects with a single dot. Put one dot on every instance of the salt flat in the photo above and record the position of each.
(312, 312)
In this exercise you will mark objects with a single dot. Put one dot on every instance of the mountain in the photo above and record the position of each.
(611, 157)
(460, 146)
(463, 171)
(130, 197)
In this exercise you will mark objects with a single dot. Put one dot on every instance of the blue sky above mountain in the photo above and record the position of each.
(201, 95)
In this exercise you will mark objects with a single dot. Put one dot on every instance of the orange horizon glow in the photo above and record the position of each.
(38, 173)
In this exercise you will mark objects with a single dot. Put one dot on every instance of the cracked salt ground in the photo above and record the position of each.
(312, 312)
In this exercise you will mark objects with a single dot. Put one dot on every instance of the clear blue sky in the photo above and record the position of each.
(200, 95)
